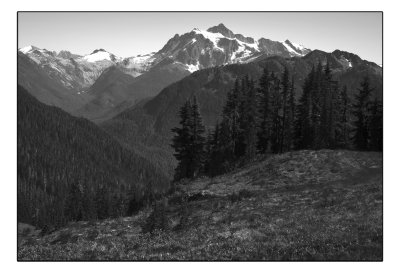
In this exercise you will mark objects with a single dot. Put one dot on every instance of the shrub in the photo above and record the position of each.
(157, 220)
(242, 194)
(184, 219)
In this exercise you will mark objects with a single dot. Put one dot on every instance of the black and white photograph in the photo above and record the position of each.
(199, 136)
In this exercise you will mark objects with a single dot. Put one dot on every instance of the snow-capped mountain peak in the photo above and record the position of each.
(100, 55)
(72, 71)
(27, 49)
(191, 51)
(33, 49)
(213, 37)
(139, 64)
(219, 45)
(222, 29)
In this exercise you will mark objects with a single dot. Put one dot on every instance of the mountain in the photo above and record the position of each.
(57, 151)
(150, 123)
(199, 49)
(121, 95)
(61, 79)
(181, 55)
(150, 73)
(110, 87)
(72, 71)
(48, 87)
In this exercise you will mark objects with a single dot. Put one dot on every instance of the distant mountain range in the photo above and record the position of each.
(88, 86)
(101, 85)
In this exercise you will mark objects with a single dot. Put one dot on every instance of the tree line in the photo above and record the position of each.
(265, 117)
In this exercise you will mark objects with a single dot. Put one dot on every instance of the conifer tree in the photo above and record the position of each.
(283, 140)
(343, 129)
(102, 202)
(250, 121)
(230, 121)
(208, 151)
(216, 155)
(73, 206)
(189, 141)
(290, 124)
(88, 204)
(264, 113)
(329, 112)
(197, 140)
(304, 114)
(181, 141)
(240, 148)
(361, 109)
(276, 114)
(376, 125)
(316, 107)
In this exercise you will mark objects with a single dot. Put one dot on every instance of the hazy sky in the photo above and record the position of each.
(133, 33)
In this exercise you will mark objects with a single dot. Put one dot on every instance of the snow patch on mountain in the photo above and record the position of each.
(99, 56)
(138, 64)
(345, 62)
(244, 51)
(292, 52)
(298, 46)
(213, 37)
(192, 68)
(350, 64)
(27, 49)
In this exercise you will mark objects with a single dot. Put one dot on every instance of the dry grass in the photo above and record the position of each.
(306, 205)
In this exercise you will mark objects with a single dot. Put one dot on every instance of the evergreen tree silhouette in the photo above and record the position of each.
(361, 111)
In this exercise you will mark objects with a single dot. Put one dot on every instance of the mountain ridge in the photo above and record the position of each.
(81, 78)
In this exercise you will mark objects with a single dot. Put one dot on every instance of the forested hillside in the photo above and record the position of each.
(267, 120)
(149, 125)
(69, 169)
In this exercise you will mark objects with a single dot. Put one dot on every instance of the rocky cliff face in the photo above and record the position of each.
(218, 45)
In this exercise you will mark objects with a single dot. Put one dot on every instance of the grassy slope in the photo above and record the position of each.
(305, 205)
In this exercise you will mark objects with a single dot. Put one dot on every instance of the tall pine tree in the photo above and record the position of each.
(250, 120)
(376, 125)
(197, 140)
(361, 109)
(181, 141)
(304, 114)
(343, 130)
(276, 114)
(264, 113)
(189, 141)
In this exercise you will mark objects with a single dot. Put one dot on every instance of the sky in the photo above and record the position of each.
(128, 34)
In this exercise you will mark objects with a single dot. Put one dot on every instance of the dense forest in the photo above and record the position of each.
(70, 169)
(265, 118)
(146, 127)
